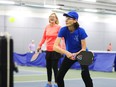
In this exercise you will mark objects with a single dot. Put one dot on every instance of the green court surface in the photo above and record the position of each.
(39, 74)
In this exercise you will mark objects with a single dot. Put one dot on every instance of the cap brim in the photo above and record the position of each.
(66, 15)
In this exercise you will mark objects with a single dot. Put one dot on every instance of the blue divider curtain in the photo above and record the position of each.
(102, 61)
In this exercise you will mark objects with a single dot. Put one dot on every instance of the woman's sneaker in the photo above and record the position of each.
(48, 85)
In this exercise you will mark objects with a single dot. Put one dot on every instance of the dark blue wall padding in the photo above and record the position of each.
(102, 61)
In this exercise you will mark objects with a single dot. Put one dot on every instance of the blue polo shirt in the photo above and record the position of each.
(72, 39)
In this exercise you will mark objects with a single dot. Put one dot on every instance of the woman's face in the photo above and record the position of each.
(70, 21)
(52, 18)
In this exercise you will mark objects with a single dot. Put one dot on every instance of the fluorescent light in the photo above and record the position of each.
(43, 6)
(91, 10)
(90, 0)
(7, 2)
(34, 5)
(51, 6)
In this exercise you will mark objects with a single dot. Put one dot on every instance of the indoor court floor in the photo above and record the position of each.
(36, 77)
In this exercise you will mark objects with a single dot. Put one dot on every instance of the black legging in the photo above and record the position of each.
(66, 64)
(52, 63)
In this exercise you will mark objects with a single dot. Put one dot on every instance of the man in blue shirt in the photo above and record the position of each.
(75, 40)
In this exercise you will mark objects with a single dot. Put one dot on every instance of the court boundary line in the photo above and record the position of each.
(32, 70)
(30, 75)
(64, 79)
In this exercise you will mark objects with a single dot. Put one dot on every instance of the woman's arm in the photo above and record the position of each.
(58, 49)
(42, 40)
(83, 44)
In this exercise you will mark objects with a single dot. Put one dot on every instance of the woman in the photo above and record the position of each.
(52, 57)
(109, 48)
(75, 39)
(31, 46)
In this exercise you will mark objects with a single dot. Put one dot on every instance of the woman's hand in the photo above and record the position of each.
(71, 55)
(39, 48)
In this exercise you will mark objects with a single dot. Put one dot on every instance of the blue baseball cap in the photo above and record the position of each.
(72, 14)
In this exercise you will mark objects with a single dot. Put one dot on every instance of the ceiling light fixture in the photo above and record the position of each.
(90, 0)
(7, 2)
(51, 6)
(91, 10)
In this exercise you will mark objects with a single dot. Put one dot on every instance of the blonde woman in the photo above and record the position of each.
(52, 57)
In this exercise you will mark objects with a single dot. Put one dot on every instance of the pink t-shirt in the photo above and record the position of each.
(50, 35)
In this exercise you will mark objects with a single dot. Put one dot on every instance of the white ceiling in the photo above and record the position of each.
(103, 6)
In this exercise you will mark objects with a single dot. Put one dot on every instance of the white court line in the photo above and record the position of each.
(64, 79)
(104, 78)
(32, 70)
(36, 73)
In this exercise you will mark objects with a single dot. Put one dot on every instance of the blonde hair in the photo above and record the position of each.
(57, 20)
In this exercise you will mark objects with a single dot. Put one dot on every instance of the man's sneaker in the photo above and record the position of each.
(55, 85)
(48, 85)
